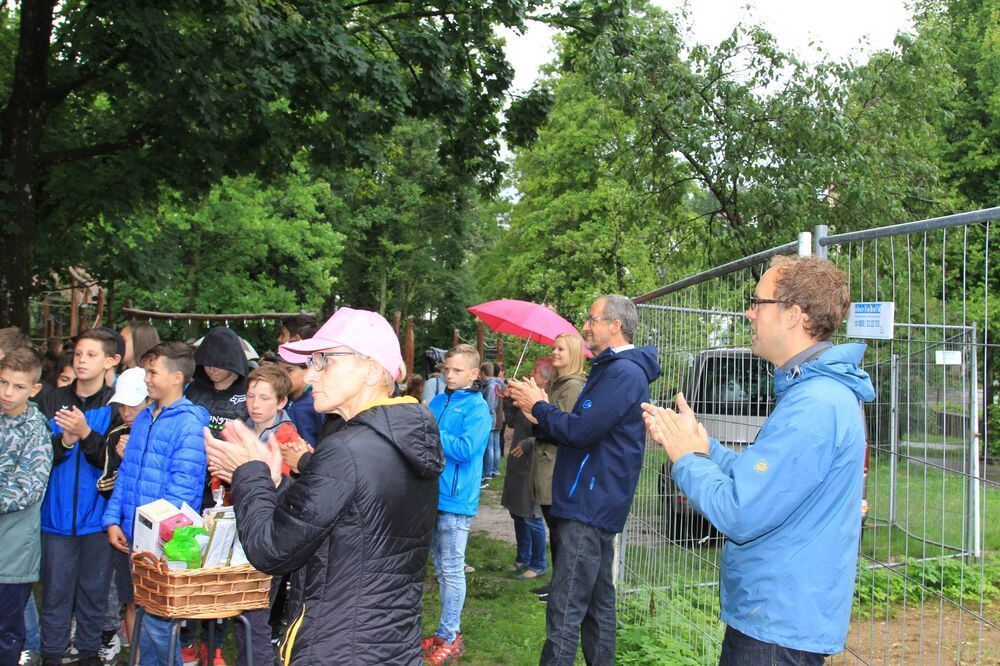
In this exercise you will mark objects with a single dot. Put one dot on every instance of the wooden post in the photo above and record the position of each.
(454, 338)
(480, 340)
(72, 308)
(408, 349)
(500, 349)
(47, 318)
(397, 317)
(99, 310)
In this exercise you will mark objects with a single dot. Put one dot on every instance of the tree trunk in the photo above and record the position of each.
(21, 123)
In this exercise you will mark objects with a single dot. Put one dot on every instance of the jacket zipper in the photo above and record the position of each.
(579, 473)
(76, 485)
(291, 635)
(454, 477)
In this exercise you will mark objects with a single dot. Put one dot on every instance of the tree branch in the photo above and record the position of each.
(136, 137)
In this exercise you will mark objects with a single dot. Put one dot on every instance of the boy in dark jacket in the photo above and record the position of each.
(25, 462)
(75, 555)
(164, 459)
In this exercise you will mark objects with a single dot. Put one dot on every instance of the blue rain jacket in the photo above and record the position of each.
(602, 441)
(464, 421)
(790, 506)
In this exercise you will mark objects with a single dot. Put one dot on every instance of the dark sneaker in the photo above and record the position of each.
(544, 589)
(544, 598)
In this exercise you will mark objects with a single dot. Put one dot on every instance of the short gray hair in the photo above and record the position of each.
(623, 309)
(544, 367)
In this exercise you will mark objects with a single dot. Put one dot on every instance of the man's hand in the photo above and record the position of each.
(517, 451)
(679, 433)
(525, 395)
(117, 539)
(74, 422)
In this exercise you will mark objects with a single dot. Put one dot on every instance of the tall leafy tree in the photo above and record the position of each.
(105, 102)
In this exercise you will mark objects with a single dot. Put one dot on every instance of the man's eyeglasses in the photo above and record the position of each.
(593, 320)
(319, 360)
(754, 302)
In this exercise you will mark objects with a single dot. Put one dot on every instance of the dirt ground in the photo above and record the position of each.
(493, 518)
(928, 634)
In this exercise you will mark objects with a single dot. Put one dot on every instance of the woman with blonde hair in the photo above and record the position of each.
(567, 362)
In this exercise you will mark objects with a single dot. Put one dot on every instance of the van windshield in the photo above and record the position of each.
(737, 385)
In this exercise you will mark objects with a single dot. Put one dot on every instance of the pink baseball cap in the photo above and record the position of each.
(291, 357)
(363, 331)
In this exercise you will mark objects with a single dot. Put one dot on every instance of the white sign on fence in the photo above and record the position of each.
(871, 320)
(948, 357)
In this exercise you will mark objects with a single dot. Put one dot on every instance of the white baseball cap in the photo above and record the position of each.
(130, 389)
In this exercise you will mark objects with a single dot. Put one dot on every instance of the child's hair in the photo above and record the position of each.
(486, 369)
(144, 338)
(273, 374)
(302, 325)
(11, 338)
(178, 357)
(468, 351)
(414, 386)
(23, 359)
(109, 345)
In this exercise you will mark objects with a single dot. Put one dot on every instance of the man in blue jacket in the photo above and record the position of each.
(601, 444)
(464, 422)
(790, 505)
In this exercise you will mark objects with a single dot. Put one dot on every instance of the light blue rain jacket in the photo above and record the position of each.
(790, 506)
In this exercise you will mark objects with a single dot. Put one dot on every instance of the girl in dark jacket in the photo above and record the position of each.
(360, 516)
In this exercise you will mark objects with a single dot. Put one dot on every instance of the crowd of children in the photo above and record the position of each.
(118, 422)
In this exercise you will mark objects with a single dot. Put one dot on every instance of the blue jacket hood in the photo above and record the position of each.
(840, 362)
(644, 357)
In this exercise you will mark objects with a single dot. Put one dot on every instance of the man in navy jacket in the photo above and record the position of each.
(601, 444)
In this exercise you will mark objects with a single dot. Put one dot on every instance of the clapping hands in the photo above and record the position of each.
(679, 433)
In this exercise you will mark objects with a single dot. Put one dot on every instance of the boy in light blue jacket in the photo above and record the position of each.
(464, 421)
(790, 504)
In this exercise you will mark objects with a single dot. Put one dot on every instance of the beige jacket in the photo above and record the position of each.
(562, 393)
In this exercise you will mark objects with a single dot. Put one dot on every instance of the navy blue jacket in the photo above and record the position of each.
(72, 505)
(307, 420)
(601, 442)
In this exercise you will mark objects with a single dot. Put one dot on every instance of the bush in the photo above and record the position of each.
(992, 432)
(877, 589)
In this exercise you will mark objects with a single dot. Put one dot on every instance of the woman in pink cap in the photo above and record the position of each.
(360, 516)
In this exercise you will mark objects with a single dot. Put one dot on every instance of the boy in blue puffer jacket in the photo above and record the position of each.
(464, 421)
(164, 459)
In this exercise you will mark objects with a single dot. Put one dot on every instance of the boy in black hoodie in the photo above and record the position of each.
(220, 386)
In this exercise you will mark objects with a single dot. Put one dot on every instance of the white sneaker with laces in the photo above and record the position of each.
(109, 651)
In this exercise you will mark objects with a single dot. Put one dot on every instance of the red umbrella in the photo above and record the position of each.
(527, 320)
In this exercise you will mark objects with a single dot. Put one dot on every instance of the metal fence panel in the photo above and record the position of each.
(927, 589)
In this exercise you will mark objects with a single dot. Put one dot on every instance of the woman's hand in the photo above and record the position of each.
(240, 445)
(293, 451)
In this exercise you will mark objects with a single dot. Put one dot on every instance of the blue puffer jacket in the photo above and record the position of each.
(464, 422)
(602, 441)
(790, 506)
(164, 459)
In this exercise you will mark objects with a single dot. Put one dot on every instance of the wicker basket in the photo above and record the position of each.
(197, 593)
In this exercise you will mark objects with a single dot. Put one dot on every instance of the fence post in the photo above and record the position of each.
(974, 480)
(805, 244)
(820, 231)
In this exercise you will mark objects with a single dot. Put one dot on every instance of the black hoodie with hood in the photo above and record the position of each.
(220, 348)
(358, 521)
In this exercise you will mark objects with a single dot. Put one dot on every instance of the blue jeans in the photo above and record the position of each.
(738, 649)
(581, 607)
(491, 457)
(154, 641)
(530, 535)
(448, 550)
(32, 634)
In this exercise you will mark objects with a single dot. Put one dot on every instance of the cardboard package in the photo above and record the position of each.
(146, 529)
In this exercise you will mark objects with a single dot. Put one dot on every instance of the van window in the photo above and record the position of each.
(735, 385)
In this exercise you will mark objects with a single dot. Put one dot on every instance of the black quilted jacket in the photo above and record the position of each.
(359, 520)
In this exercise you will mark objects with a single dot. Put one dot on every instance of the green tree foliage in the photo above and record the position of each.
(242, 247)
(592, 215)
(105, 103)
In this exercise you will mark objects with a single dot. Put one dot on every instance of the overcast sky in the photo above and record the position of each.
(840, 27)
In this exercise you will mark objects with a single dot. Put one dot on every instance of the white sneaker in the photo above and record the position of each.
(71, 655)
(29, 658)
(109, 651)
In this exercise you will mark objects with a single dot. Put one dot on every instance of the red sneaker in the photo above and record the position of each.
(190, 656)
(446, 653)
(430, 643)
(217, 660)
